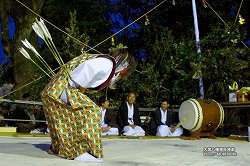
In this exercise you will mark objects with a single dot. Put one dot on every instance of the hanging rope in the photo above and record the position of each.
(93, 48)
(21, 102)
(1, 97)
(77, 41)
(20, 88)
(222, 20)
(127, 25)
(23, 120)
(238, 13)
(216, 13)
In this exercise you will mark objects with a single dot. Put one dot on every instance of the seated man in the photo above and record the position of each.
(161, 123)
(128, 117)
(109, 127)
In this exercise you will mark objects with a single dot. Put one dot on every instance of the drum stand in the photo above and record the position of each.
(209, 134)
(198, 134)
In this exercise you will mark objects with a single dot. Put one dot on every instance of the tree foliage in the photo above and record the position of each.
(23, 70)
(165, 48)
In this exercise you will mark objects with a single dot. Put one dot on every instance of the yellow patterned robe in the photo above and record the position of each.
(75, 128)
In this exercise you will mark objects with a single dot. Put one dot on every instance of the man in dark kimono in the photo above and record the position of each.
(162, 123)
(128, 117)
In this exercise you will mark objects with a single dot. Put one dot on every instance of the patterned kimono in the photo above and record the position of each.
(75, 128)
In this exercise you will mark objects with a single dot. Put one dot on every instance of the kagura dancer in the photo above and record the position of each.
(73, 118)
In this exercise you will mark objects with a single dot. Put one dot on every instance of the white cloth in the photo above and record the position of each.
(90, 74)
(112, 131)
(130, 114)
(163, 116)
(164, 130)
(137, 131)
(128, 130)
(86, 157)
(103, 116)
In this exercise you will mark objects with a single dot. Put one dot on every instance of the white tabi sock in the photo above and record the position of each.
(86, 157)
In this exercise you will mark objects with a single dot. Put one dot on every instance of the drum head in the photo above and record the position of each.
(190, 114)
